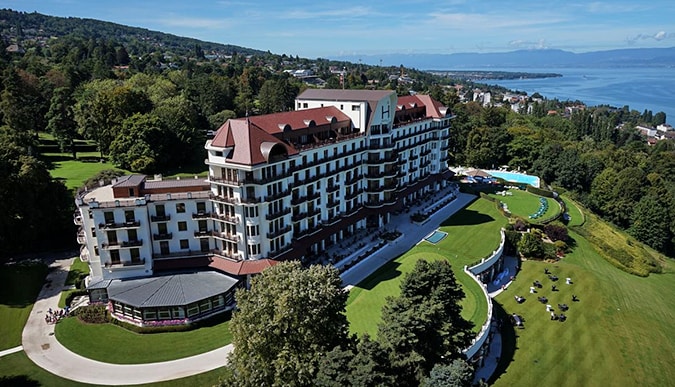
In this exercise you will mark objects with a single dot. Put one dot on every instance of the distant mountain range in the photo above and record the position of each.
(632, 57)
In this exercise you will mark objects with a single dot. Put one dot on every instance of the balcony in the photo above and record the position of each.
(332, 188)
(225, 236)
(180, 254)
(135, 262)
(354, 179)
(251, 200)
(333, 203)
(313, 212)
(81, 238)
(278, 214)
(313, 196)
(224, 199)
(276, 253)
(222, 180)
(84, 254)
(354, 194)
(299, 216)
(114, 226)
(77, 219)
(160, 218)
(227, 254)
(278, 233)
(123, 244)
(298, 200)
(162, 237)
(226, 218)
(201, 215)
(278, 195)
(203, 234)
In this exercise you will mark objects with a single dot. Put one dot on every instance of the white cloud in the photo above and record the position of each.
(356, 11)
(193, 22)
(659, 36)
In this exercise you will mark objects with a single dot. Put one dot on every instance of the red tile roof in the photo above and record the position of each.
(433, 108)
(253, 138)
(241, 267)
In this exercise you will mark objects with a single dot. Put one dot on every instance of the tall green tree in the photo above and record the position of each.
(456, 374)
(424, 325)
(289, 319)
(61, 121)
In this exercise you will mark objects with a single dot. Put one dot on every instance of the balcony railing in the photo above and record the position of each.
(162, 237)
(354, 194)
(136, 262)
(332, 188)
(180, 254)
(160, 218)
(299, 216)
(201, 215)
(227, 254)
(228, 237)
(123, 244)
(226, 218)
(281, 231)
(81, 238)
(278, 214)
(277, 195)
(77, 219)
(129, 224)
(203, 234)
(225, 199)
(276, 253)
(251, 200)
(333, 203)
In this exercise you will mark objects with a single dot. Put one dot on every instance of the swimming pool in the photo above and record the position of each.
(436, 236)
(516, 177)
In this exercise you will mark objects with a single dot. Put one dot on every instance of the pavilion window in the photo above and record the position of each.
(128, 311)
(149, 314)
(193, 309)
(137, 314)
(164, 313)
(217, 301)
(205, 306)
(178, 312)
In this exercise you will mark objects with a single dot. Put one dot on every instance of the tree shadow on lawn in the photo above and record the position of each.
(467, 217)
(18, 380)
(21, 284)
(387, 272)
(509, 347)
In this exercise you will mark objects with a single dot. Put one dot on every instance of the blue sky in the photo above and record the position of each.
(323, 29)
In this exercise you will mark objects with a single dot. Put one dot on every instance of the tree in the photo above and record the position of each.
(456, 374)
(60, 120)
(138, 143)
(289, 319)
(556, 232)
(424, 325)
(530, 245)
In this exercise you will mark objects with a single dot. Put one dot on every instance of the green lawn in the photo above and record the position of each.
(20, 286)
(77, 269)
(523, 204)
(473, 233)
(75, 172)
(619, 333)
(17, 370)
(113, 344)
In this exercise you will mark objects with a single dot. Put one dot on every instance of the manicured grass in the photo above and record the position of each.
(20, 286)
(113, 344)
(17, 370)
(619, 333)
(75, 172)
(523, 204)
(576, 217)
(473, 233)
(77, 269)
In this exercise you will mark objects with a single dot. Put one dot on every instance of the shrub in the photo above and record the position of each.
(539, 191)
(93, 314)
(73, 294)
(521, 225)
(531, 246)
(556, 232)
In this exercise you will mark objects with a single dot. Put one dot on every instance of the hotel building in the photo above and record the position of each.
(280, 186)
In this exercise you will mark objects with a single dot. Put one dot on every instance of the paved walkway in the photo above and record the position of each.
(43, 349)
(41, 345)
(11, 351)
(412, 234)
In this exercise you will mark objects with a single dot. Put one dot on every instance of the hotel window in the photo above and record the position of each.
(182, 226)
(109, 217)
(180, 207)
(254, 249)
(253, 230)
(201, 207)
(184, 244)
(135, 255)
(356, 108)
(115, 257)
(305, 105)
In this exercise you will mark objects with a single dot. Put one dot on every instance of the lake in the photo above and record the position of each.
(648, 88)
